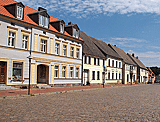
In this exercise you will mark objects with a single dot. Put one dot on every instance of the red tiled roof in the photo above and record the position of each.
(27, 10)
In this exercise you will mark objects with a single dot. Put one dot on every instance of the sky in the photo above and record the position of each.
(132, 25)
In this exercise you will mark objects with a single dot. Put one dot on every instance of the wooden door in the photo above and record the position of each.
(42, 74)
(3, 67)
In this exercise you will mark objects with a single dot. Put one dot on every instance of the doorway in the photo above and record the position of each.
(86, 77)
(3, 72)
(42, 74)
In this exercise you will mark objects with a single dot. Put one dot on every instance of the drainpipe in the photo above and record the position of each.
(82, 68)
(30, 57)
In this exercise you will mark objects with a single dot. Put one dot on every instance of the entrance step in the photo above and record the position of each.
(43, 86)
(5, 87)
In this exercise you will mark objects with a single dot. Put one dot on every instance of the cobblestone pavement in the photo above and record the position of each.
(135, 103)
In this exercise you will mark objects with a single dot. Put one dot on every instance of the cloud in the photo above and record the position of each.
(82, 8)
(149, 58)
(128, 42)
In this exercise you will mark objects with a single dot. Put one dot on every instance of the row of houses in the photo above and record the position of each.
(42, 49)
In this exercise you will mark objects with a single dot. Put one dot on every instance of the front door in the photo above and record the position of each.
(86, 77)
(42, 74)
(3, 67)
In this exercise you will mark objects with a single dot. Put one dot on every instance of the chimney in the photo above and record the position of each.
(70, 23)
(115, 45)
(42, 9)
(133, 54)
(137, 57)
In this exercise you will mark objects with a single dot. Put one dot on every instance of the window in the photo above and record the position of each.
(127, 77)
(108, 75)
(19, 12)
(109, 62)
(98, 75)
(77, 52)
(17, 71)
(116, 76)
(62, 28)
(75, 33)
(56, 71)
(103, 62)
(72, 52)
(85, 59)
(57, 49)
(43, 45)
(93, 75)
(94, 61)
(43, 21)
(112, 63)
(77, 72)
(64, 50)
(116, 64)
(112, 75)
(25, 42)
(98, 61)
(119, 64)
(71, 72)
(89, 59)
(119, 75)
(11, 39)
(64, 71)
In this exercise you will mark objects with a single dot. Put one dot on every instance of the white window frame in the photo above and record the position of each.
(71, 72)
(43, 21)
(43, 46)
(64, 50)
(11, 39)
(56, 71)
(25, 42)
(72, 52)
(57, 45)
(19, 12)
(77, 72)
(63, 71)
(77, 53)
(62, 28)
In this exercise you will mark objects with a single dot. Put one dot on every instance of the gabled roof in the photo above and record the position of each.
(105, 48)
(89, 47)
(27, 19)
(124, 56)
(137, 61)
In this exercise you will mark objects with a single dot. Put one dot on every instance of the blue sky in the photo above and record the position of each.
(132, 25)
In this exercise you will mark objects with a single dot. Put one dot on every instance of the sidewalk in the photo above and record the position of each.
(54, 89)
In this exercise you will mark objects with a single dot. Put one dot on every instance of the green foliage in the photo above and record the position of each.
(156, 70)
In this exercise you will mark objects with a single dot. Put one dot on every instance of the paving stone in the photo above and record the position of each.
(114, 104)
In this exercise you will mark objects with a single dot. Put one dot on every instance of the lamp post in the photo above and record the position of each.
(131, 73)
(29, 57)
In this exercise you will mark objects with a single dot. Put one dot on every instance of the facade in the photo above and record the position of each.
(142, 72)
(112, 63)
(92, 61)
(129, 68)
(151, 75)
(55, 48)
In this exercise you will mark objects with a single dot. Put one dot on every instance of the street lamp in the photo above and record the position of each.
(131, 73)
(29, 57)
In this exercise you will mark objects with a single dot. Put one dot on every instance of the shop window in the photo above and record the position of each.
(17, 71)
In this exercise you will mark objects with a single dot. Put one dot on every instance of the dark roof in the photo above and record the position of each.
(124, 56)
(89, 48)
(137, 61)
(105, 48)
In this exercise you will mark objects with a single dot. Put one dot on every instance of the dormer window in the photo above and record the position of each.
(19, 12)
(75, 33)
(43, 21)
(62, 28)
